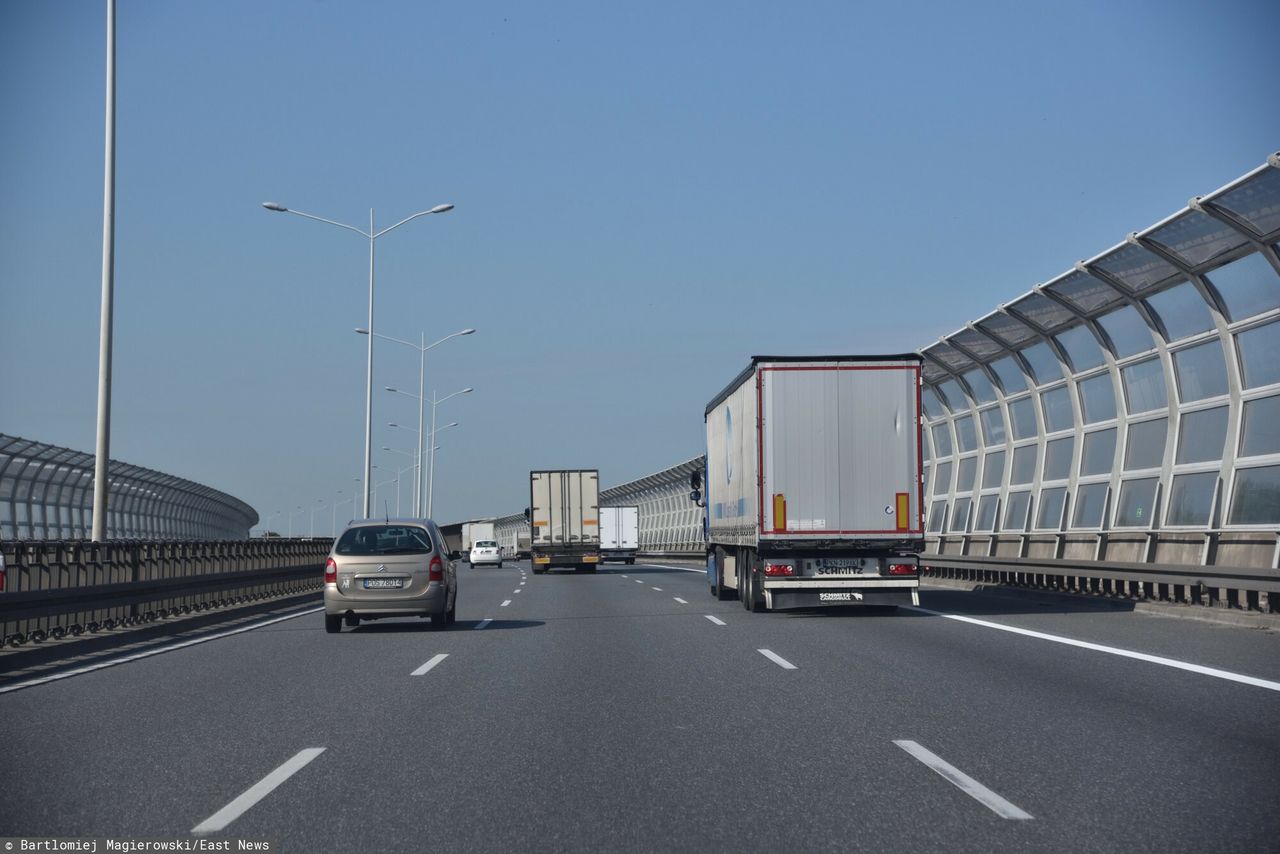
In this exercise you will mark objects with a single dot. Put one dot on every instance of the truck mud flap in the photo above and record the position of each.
(781, 599)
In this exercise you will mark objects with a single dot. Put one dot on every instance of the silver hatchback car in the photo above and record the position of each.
(390, 568)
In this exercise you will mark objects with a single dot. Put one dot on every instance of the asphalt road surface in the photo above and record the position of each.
(629, 711)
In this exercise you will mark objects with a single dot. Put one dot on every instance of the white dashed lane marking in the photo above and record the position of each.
(505, 603)
(435, 659)
(486, 621)
(716, 620)
(964, 782)
(777, 659)
(678, 599)
(256, 792)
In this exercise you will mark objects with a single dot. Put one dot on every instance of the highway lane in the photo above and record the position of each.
(595, 711)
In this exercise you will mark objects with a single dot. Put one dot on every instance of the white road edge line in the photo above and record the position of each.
(89, 668)
(435, 659)
(964, 782)
(700, 570)
(716, 620)
(505, 603)
(777, 659)
(1111, 650)
(480, 625)
(678, 599)
(256, 792)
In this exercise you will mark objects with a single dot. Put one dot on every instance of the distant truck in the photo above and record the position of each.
(564, 519)
(814, 491)
(473, 531)
(619, 533)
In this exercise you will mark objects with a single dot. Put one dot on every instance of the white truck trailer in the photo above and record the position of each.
(619, 533)
(564, 519)
(814, 488)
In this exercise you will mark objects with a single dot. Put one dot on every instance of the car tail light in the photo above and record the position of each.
(776, 569)
(331, 571)
(435, 569)
(902, 569)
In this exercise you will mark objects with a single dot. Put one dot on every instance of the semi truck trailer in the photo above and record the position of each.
(619, 533)
(813, 483)
(564, 520)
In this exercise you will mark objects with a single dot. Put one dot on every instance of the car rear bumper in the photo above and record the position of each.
(430, 601)
(494, 560)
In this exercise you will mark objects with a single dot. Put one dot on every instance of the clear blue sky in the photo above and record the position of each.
(646, 195)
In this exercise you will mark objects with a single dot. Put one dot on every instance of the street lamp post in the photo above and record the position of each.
(105, 325)
(336, 504)
(422, 373)
(319, 503)
(431, 478)
(372, 236)
(293, 513)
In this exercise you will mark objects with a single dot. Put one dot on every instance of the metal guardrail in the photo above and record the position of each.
(1243, 588)
(57, 588)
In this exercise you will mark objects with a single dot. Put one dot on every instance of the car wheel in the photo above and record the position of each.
(333, 623)
(352, 621)
(453, 610)
(440, 620)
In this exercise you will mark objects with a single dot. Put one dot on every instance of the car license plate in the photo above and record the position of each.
(383, 583)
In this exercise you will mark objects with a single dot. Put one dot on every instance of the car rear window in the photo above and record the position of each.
(384, 540)
(486, 544)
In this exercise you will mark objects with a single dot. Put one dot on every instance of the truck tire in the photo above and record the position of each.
(538, 570)
(750, 595)
(718, 588)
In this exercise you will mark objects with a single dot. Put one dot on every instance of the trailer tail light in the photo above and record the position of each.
(435, 569)
(902, 569)
(331, 571)
(776, 569)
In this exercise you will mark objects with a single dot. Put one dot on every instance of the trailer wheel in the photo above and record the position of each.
(750, 595)
(718, 587)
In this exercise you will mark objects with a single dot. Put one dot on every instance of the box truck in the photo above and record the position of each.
(619, 533)
(474, 531)
(564, 519)
(813, 487)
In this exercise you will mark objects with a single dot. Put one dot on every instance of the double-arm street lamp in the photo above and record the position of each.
(372, 236)
(422, 373)
(431, 478)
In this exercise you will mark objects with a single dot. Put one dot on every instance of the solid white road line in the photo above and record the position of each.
(715, 620)
(964, 782)
(1111, 650)
(702, 570)
(435, 659)
(776, 659)
(89, 668)
(678, 599)
(480, 625)
(505, 603)
(256, 792)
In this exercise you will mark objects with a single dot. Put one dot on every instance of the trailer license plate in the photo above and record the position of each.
(383, 583)
(839, 565)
